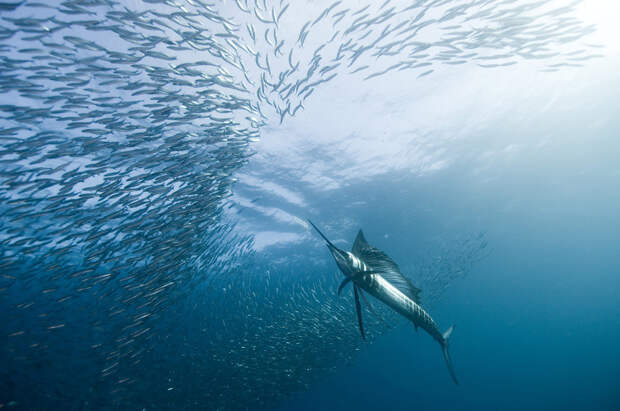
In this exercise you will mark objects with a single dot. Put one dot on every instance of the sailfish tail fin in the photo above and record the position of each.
(446, 354)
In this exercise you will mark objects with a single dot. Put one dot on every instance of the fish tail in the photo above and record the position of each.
(446, 354)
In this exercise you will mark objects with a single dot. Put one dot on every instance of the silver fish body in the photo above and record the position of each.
(385, 292)
(371, 270)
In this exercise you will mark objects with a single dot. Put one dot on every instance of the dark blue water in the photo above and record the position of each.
(544, 343)
(159, 160)
(536, 323)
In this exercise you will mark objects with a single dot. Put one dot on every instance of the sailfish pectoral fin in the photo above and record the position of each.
(344, 283)
(347, 280)
(358, 308)
(372, 310)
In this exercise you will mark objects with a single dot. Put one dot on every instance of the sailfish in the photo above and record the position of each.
(371, 270)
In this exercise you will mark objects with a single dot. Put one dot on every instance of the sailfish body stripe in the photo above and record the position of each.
(357, 264)
(384, 291)
(381, 278)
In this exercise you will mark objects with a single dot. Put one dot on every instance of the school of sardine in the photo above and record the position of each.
(122, 124)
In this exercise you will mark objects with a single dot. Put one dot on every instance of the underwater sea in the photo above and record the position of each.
(160, 162)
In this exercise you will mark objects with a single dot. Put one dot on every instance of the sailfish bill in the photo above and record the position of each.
(371, 270)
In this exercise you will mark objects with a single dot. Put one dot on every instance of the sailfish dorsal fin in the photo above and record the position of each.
(383, 265)
(359, 244)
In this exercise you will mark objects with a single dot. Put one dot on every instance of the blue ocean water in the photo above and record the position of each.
(159, 161)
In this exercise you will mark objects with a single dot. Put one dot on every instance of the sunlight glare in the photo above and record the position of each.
(604, 14)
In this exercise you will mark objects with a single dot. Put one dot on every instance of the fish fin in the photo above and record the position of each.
(446, 354)
(416, 327)
(359, 244)
(343, 283)
(349, 279)
(372, 310)
(358, 308)
(380, 262)
(447, 334)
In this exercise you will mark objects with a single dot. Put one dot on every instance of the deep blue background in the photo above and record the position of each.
(529, 159)
(537, 322)
(532, 332)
